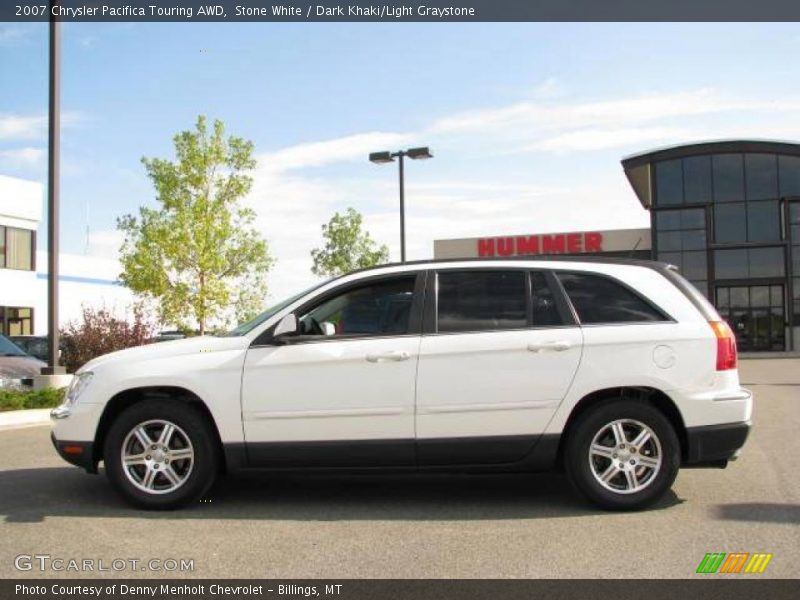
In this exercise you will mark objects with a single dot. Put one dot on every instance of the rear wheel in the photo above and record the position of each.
(622, 454)
(161, 454)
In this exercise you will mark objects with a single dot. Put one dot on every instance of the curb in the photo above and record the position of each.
(15, 419)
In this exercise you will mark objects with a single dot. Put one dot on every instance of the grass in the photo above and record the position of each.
(20, 400)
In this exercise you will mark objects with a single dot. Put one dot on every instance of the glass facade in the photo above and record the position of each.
(681, 240)
(731, 222)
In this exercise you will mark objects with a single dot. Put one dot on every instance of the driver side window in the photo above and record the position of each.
(380, 308)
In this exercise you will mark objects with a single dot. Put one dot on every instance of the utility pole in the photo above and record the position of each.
(53, 195)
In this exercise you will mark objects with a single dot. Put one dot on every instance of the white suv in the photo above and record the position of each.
(619, 371)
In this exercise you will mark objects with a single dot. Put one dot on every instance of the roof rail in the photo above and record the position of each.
(653, 264)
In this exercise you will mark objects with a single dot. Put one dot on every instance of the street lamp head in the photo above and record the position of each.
(380, 158)
(387, 157)
(419, 153)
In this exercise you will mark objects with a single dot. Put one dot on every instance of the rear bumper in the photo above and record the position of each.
(715, 445)
(80, 454)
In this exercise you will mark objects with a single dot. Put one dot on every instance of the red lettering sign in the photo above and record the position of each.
(556, 243)
(505, 246)
(528, 245)
(486, 247)
(574, 243)
(553, 244)
(593, 242)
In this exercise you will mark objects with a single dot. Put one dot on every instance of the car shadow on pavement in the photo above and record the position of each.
(31, 495)
(760, 512)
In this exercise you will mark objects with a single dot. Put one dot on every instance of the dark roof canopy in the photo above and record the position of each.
(637, 166)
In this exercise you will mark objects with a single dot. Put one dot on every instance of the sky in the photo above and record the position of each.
(527, 122)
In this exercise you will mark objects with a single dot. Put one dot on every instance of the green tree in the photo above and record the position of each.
(347, 247)
(198, 255)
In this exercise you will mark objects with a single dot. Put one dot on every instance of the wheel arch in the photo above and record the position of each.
(127, 398)
(657, 398)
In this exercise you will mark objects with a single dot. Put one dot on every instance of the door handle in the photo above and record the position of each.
(391, 355)
(550, 346)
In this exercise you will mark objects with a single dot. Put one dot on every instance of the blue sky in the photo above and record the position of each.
(527, 121)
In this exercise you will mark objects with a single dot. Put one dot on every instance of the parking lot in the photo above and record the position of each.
(254, 525)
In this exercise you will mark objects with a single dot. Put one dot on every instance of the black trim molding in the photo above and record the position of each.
(715, 443)
(712, 147)
(517, 453)
(84, 459)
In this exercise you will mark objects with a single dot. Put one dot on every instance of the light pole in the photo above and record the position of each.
(53, 179)
(380, 158)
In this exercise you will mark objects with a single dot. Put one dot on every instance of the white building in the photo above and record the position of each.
(83, 280)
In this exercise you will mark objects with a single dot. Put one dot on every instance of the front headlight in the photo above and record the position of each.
(77, 387)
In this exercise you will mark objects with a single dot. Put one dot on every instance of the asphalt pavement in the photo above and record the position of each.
(256, 525)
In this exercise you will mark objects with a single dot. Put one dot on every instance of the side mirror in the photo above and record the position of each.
(287, 326)
(328, 328)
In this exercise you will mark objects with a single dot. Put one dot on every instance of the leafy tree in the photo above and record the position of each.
(100, 332)
(198, 254)
(347, 247)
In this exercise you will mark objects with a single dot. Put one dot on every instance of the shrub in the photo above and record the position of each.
(19, 399)
(100, 332)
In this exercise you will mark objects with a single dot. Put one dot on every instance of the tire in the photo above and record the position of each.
(593, 453)
(165, 476)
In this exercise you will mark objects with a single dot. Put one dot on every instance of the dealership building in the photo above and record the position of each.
(84, 281)
(726, 213)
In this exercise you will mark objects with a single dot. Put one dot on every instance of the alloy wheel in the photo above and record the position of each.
(157, 456)
(625, 456)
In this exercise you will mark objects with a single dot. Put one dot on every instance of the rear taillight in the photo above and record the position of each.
(726, 345)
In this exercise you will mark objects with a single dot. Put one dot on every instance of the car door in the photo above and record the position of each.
(499, 352)
(341, 392)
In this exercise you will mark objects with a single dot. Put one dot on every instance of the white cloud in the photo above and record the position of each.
(22, 127)
(13, 36)
(605, 138)
(643, 108)
(549, 88)
(343, 149)
(28, 127)
(528, 117)
(291, 209)
(104, 243)
(22, 157)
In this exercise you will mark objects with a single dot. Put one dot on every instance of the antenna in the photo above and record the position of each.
(86, 244)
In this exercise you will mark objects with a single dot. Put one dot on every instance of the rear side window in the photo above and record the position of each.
(481, 300)
(601, 300)
(545, 309)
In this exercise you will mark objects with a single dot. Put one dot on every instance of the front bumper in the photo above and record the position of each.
(73, 432)
(715, 445)
(80, 454)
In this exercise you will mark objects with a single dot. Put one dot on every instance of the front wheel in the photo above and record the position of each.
(622, 455)
(161, 454)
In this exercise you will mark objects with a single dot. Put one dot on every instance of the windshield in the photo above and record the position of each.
(8, 348)
(245, 328)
